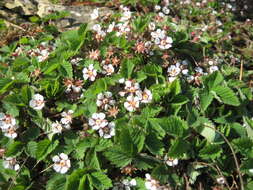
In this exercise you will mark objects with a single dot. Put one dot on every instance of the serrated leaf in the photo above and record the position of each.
(100, 180)
(57, 182)
(226, 95)
(211, 151)
(213, 80)
(117, 157)
(161, 173)
(32, 148)
(5, 83)
(173, 125)
(179, 148)
(14, 148)
(206, 99)
(68, 68)
(127, 68)
(154, 145)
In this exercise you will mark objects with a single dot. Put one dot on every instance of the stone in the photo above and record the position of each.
(78, 14)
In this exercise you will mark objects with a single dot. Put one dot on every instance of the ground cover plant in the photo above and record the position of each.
(156, 96)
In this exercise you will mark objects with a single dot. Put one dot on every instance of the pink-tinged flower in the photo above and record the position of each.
(173, 71)
(132, 103)
(6, 121)
(94, 54)
(94, 15)
(131, 86)
(56, 127)
(98, 121)
(37, 102)
(105, 100)
(61, 163)
(145, 96)
(11, 132)
(166, 43)
(89, 73)
(171, 161)
(108, 131)
(108, 69)
(67, 117)
(151, 184)
(76, 61)
(11, 163)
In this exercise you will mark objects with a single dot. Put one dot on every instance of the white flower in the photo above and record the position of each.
(198, 70)
(157, 7)
(220, 180)
(98, 121)
(94, 15)
(105, 100)
(213, 69)
(56, 127)
(11, 163)
(97, 28)
(171, 161)
(89, 73)
(174, 70)
(37, 102)
(76, 61)
(67, 117)
(166, 10)
(107, 131)
(61, 163)
(132, 103)
(166, 43)
(108, 69)
(126, 16)
(125, 184)
(145, 96)
(121, 81)
(150, 183)
(131, 86)
(111, 27)
(151, 26)
(6, 121)
(11, 132)
(251, 170)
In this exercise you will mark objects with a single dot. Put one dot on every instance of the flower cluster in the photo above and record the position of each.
(135, 95)
(160, 38)
(41, 52)
(11, 163)
(125, 184)
(8, 125)
(64, 123)
(99, 122)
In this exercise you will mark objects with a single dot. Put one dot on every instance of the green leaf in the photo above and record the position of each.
(227, 95)
(179, 148)
(44, 148)
(161, 173)
(91, 159)
(68, 68)
(117, 157)
(32, 148)
(5, 84)
(100, 180)
(154, 145)
(127, 68)
(213, 80)
(205, 100)
(174, 125)
(73, 179)
(14, 148)
(57, 182)
(210, 151)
